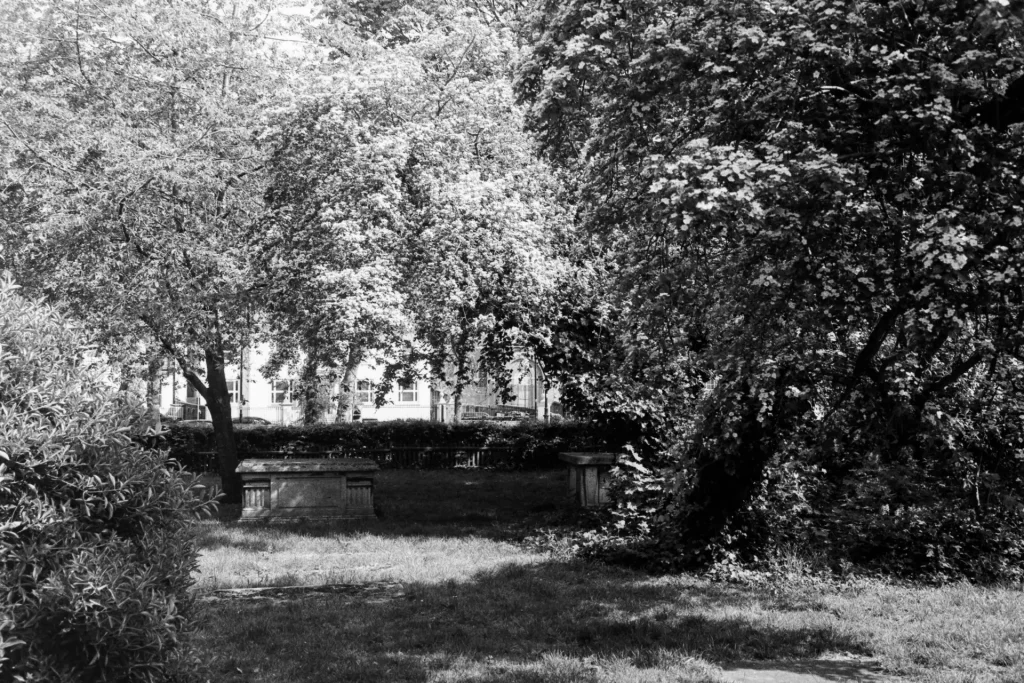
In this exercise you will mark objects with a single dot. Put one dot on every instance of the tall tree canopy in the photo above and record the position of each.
(814, 210)
(408, 213)
(130, 169)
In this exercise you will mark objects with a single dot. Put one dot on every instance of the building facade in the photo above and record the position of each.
(256, 398)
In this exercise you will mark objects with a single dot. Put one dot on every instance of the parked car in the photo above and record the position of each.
(251, 421)
(195, 422)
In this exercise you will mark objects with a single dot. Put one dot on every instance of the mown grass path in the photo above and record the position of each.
(440, 590)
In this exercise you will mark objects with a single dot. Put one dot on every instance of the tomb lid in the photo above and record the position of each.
(589, 458)
(308, 465)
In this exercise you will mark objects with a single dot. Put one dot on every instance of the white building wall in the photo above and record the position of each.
(398, 406)
(260, 398)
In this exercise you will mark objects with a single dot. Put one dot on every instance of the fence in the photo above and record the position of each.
(186, 411)
(398, 457)
(497, 413)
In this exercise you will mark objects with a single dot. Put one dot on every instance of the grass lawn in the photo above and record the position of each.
(432, 525)
(465, 601)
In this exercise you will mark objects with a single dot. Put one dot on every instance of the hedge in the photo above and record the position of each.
(523, 445)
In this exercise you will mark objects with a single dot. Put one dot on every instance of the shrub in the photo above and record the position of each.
(530, 444)
(936, 514)
(96, 552)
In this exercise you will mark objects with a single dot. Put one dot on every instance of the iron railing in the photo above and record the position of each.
(397, 457)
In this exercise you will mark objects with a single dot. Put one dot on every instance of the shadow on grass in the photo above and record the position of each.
(559, 621)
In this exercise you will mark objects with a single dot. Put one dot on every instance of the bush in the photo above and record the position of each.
(944, 512)
(529, 444)
(96, 552)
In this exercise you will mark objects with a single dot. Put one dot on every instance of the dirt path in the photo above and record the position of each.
(848, 669)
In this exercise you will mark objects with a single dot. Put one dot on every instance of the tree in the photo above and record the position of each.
(326, 249)
(131, 169)
(815, 213)
(421, 227)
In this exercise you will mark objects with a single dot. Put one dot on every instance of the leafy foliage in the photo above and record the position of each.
(808, 215)
(532, 444)
(131, 160)
(124, 128)
(96, 551)
(408, 214)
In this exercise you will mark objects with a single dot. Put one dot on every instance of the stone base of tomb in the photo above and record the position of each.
(314, 489)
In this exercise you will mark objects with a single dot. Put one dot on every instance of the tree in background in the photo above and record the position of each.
(130, 170)
(421, 227)
(326, 249)
(810, 214)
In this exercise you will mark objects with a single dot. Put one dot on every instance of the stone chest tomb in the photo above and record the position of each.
(325, 489)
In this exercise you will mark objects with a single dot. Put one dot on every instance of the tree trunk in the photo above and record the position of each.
(154, 376)
(543, 377)
(457, 407)
(218, 400)
(726, 481)
(346, 401)
(310, 380)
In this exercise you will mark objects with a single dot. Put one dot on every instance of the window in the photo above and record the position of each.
(190, 393)
(364, 391)
(234, 390)
(407, 392)
(524, 395)
(282, 391)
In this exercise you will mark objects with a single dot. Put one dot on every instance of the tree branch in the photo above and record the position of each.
(78, 50)
(863, 365)
(171, 349)
(959, 370)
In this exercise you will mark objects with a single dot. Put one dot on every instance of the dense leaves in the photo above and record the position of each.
(794, 266)
(408, 213)
(814, 212)
(524, 445)
(129, 160)
(96, 555)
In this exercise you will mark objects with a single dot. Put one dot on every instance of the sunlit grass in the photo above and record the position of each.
(434, 526)
(244, 557)
(475, 605)
(947, 634)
